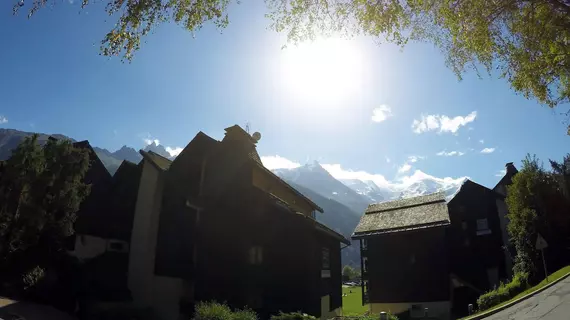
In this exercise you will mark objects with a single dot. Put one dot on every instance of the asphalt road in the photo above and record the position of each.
(551, 304)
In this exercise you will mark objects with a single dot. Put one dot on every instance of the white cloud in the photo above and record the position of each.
(481, 141)
(404, 168)
(174, 152)
(501, 173)
(3, 119)
(381, 113)
(277, 162)
(387, 160)
(442, 123)
(450, 154)
(338, 172)
(148, 141)
(396, 185)
(488, 150)
(414, 159)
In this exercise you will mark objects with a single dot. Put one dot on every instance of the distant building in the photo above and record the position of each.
(404, 256)
(215, 224)
(101, 226)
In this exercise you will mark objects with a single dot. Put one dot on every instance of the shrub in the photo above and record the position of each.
(376, 317)
(212, 311)
(245, 314)
(504, 292)
(292, 316)
(32, 277)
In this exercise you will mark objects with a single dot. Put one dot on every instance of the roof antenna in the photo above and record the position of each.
(247, 127)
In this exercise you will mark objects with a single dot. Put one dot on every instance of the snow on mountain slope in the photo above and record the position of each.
(316, 178)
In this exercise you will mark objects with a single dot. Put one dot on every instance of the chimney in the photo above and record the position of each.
(237, 133)
(510, 167)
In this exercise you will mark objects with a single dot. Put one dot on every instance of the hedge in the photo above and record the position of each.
(504, 292)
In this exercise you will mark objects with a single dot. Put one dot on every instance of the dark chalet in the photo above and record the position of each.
(404, 257)
(215, 224)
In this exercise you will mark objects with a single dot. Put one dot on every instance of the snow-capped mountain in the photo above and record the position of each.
(370, 190)
(316, 178)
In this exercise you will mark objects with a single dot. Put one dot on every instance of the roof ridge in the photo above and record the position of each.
(408, 206)
(150, 151)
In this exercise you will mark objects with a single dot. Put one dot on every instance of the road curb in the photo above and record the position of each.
(510, 304)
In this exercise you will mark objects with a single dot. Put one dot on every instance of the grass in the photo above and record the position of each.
(352, 302)
(553, 277)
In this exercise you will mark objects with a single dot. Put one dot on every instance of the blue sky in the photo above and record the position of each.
(53, 80)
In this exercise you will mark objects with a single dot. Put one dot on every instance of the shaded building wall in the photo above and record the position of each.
(408, 270)
(144, 236)
(477, 256)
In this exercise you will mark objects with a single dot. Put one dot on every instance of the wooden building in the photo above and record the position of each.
(215, 224)
(404, 256)
(479, 258)
(103, 223)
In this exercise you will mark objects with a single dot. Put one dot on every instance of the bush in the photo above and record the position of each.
(219, 311)
(212, 311)
(32, 277)
(245, 314)
(376, 317)
(504, 292)
(292, 316)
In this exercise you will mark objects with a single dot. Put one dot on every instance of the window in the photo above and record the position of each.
(364, 245)
(483, 227)
(326, 259)
(256, 255)
(365, 264)
(117, 246)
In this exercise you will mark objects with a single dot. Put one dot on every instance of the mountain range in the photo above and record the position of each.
(343, 201)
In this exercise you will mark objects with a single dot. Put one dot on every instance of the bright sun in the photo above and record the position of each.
(326, 70)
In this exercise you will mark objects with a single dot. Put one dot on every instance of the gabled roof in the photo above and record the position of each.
(404, 214)
(283, 182)
(468, 182)
(160, 162)
(318, 226)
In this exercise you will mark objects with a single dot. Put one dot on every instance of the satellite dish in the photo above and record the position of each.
(256, 136)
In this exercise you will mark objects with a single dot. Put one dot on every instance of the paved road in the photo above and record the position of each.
(551, 304)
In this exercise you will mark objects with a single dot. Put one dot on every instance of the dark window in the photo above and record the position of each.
(255, 255)
(116, 246)
(326, 262)
(483, 227)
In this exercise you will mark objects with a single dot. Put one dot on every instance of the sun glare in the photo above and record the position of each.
(325, 70)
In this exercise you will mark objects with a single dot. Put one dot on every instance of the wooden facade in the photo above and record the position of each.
(404, 258)
(476, 245)
(230, 230)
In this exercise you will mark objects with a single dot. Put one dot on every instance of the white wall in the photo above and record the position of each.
(87, 247)
(143, 236)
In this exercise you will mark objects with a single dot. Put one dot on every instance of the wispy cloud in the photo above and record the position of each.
(174, 151)
(3, 119)
(442, 123)
(481, 141)
(501, 173)
(404, 168)
(488, 150)
(414, 159)
(381, 113)
(450, 153)
(387, 160)
(278, 162)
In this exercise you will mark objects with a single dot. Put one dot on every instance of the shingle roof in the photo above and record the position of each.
(404, 214)
(159, 161)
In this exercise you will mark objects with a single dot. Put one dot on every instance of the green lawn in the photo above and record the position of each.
(555, 276)
(352, 302)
